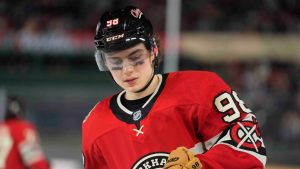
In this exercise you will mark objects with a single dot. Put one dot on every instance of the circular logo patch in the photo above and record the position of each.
(137, 115)
(246, 134)
(152, 161)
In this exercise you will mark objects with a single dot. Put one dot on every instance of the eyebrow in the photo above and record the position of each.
(135, 51)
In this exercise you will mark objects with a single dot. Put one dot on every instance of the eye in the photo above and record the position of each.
(116, 68)
(115, 61)
(136, 57)
(139, 62)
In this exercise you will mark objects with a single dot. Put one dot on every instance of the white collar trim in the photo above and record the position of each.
(150, 98)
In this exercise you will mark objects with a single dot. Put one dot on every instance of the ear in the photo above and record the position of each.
(152, 56)
(155, 51)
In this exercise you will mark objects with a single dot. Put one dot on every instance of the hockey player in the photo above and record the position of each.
(19, 142)
(185, 119)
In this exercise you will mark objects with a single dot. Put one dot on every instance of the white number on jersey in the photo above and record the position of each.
(225, 102)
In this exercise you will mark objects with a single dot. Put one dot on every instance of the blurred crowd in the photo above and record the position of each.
(271, 89)
(270, 16)
(68, 25)
(209, 15)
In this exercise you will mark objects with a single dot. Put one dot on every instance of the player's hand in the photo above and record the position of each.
(182, 158)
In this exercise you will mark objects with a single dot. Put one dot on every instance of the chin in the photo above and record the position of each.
(132, 89)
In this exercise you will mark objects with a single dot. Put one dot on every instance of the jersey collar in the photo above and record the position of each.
(134, 117)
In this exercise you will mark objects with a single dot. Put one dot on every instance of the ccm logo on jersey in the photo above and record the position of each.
(112, 38)
(152, 161)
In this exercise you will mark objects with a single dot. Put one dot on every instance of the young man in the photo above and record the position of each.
(189, 119)
(19, 142)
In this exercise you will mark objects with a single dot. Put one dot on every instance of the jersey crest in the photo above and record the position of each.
(152, 161)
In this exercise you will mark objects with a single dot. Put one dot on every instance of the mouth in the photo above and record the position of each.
(130, 80)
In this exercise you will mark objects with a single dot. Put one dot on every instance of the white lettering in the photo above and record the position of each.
(151, 161)
(163, 162)
(155, 162)
(112, 38)
(146, 165)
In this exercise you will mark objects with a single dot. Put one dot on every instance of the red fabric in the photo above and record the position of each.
(228, 158)
(17, 130)
(183, 115)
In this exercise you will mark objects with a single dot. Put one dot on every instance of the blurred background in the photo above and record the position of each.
(46, 56)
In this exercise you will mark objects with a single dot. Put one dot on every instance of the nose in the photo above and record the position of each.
(127, 67)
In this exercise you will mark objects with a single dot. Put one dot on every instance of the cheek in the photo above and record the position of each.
(149, 66)
(147, 71)
(117, 77)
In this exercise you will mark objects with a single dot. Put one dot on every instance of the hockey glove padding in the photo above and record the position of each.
(182, 158)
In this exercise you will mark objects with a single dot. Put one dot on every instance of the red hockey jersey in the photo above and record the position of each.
(19, 147)
(195, 109)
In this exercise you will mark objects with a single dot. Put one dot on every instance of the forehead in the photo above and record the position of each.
(126, 52)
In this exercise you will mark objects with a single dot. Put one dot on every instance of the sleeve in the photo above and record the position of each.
(230, 132)
(6, 144)
(31, 151)
(93, 159)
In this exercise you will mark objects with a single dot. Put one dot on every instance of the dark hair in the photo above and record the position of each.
(15, 107)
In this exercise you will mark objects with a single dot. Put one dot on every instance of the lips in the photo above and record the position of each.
(130, 80)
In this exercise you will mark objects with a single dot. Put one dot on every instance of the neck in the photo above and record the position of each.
(150, 89)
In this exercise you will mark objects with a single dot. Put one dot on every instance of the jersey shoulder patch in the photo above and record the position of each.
(245, 136)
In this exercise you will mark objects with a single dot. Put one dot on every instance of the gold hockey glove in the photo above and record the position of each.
(182, 158)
